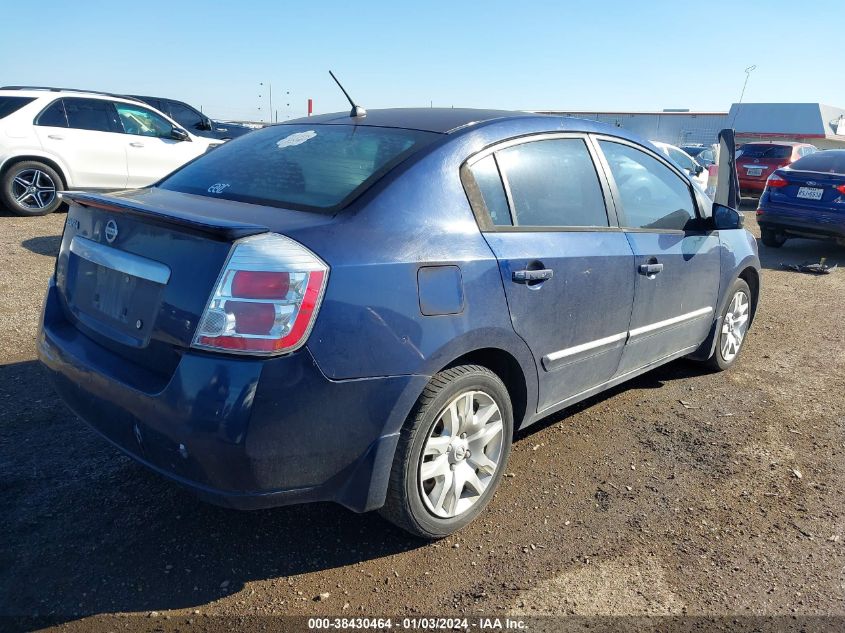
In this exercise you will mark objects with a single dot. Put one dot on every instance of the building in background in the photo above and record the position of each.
(815, 123)
(677, 127)
(819, 124)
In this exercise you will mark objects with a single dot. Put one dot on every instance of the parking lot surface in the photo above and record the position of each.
(681, 492)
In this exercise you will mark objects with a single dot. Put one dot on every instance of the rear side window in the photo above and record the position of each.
(319, 167)
(92, 114)
(652, 195)
(54, 115)
(553, 183)
(489, 182)
(12, 104)
(832, 162)
(766, 151)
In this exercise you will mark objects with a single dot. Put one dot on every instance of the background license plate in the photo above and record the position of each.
(756, 171)
(811, 193)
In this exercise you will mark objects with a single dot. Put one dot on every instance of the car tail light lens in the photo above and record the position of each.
(841, 189)
(776, 181)
(266, 299)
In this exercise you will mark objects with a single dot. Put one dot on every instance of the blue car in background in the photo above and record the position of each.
(365, 309)
(806, 199)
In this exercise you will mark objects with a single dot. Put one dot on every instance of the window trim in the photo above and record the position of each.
(482, 213)
(596, 138)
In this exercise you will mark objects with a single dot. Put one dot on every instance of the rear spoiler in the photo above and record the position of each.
(216, 228)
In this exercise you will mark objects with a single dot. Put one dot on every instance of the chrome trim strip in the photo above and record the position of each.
(689, 316)
(127, 263)
(577, 349)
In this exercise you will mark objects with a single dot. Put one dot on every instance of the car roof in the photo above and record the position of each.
(784, 143)
(55, 93)
(441, 120)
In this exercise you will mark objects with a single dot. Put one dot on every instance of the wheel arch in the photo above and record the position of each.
(47, 160)
(751, 276)
(509, 370)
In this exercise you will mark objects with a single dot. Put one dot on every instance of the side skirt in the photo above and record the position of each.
(607, 385)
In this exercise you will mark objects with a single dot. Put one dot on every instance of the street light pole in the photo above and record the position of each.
(270, 95)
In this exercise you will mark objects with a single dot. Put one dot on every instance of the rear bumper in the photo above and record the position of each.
(822, 226)
(243, 433)
(752, 187)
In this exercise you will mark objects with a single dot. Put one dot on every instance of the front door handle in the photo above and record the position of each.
(649, 270)
(525, 276)
(136, 144)
(56, 137)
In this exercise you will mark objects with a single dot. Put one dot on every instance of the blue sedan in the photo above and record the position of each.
(806, 199)
(365, 308)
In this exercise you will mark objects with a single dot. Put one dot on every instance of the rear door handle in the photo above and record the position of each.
(524, 276)
(650, 270)
(136, 144)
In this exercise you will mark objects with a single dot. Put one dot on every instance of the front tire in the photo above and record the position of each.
(30, 188)
(451, 453)
(736, 318)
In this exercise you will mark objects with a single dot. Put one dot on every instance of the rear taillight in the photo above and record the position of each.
(841, 189)
(266, 298)
(776, 181)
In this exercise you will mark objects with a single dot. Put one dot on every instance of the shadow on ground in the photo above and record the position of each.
(91, 532)
(47, 245)
(801, 251)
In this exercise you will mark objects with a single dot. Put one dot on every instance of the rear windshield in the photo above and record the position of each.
(13, 104)
(766, 151)
(312, 167)
(832, 162)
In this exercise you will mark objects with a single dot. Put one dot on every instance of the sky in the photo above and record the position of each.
(522, 55)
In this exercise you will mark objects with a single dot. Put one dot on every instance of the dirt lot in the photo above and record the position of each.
(679, 493)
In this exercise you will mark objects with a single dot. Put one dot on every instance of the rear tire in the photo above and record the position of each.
(733, 329)
(30, 188)
(772, 238)
(448, 464)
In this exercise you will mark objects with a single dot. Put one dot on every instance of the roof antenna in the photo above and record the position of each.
(357, 111)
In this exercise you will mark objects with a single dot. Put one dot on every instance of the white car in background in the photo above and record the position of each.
(685, 162)
(55, 139)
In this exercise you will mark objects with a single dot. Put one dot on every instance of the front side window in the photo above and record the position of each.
(142, 122)
(186, 116)
(317, 167)
(553, 183)
(54, 115)
(652, 195)
(92, 114)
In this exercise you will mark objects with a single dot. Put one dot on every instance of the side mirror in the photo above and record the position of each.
(725, 218)
(698, 169)
(205, 124)
(179, 134)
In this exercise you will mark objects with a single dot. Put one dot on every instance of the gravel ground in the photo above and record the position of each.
(679, 493)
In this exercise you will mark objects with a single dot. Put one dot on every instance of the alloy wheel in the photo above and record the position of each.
(33, 189)
(461, 454)
(735, 326)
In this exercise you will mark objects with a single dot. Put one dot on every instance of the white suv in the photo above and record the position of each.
(54, 139)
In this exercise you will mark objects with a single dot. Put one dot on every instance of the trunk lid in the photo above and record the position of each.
(135, 270)
(810, 190)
